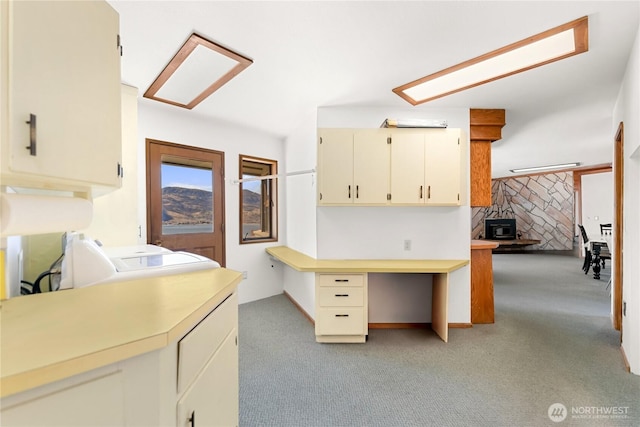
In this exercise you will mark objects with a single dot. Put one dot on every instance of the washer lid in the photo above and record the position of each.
(153, 261)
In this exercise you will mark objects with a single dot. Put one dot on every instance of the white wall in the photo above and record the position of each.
(597, 201)
(173, 124)
(627, 111)
(379, 232)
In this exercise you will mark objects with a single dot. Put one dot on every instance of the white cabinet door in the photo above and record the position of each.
(97, 402)
(212, 399)
(63, 64)
(407, 168)
(442, 167)
(371, 167)
(335, 166)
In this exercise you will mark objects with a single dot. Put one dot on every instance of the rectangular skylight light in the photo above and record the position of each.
(552, 45)
(197, 70)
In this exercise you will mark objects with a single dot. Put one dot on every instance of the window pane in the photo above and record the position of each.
(187, 202)
(258, 212)
(251, 207)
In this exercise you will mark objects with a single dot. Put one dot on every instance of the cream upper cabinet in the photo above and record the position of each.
(425, 167)
(390, 167)
(61, 95)
(335, 160)
(407, 168)
(355, 167)
(443, 167)
(371, 166)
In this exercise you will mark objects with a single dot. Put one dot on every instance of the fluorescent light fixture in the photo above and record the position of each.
(197, 70)
(413, 123)
(546, 168)
(544, 48)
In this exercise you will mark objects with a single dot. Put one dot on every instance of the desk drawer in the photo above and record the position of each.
(340, 321)
(341, 296)
(340, 279)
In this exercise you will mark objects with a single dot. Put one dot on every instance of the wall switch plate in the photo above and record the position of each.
(244, 275)
(407, 245)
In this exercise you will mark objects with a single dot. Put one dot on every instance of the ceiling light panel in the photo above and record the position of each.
(197, 70)
(552, 45)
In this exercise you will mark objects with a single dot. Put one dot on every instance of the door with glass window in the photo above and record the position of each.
(185, 199)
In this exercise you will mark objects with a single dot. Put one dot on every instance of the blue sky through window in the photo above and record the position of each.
(186, 177)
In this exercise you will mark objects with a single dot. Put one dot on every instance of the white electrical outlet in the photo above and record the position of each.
(407, 245)
(244, 275)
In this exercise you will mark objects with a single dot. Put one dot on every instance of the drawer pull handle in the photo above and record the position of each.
(341, 280)
(342, 315)
(342, 295)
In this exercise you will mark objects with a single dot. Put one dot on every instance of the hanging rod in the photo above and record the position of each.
(280, 175)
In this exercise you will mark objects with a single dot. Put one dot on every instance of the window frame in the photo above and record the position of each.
(269, 187)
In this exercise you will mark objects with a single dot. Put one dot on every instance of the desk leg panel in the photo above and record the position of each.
(439, 305)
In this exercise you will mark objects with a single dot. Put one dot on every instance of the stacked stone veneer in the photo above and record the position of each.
(543, 206)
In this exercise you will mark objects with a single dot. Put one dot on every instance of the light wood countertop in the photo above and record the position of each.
(50, 336)
(484, 244)
(302, 262)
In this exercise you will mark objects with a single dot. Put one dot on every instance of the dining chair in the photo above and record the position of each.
(605, 229)
(587, 249)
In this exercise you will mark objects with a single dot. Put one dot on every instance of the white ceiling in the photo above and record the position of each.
(352, 53)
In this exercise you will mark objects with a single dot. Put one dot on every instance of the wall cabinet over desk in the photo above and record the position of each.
(61, 113)
(390, 167)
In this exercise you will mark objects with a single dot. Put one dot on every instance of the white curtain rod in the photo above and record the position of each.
(280, 175)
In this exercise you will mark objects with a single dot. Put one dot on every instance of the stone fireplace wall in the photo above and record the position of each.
(543, 206)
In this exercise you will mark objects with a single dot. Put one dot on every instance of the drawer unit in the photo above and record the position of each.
(341, 307)
(338, 296)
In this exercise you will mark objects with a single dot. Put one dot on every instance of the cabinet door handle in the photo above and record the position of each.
(192, 419)
(357, 191)
(421, 191)
(342, 295)
(342, 315)
(349, 191)
(32, 134)
(341, 280)
(428, 192)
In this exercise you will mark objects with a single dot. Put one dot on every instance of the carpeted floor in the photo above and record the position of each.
(552, 343)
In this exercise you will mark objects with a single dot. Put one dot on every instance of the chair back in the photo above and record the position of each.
(605, 229)
(585, 238)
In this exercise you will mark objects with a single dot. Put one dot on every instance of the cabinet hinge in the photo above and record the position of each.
(388, 196)
(388, 140)
(119, 44)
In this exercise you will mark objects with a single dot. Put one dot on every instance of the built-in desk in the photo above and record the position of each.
(326, 269)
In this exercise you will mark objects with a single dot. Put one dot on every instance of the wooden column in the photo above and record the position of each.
(485, 128)
(482, 306)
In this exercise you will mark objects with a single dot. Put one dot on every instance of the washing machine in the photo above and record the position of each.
(86, 262)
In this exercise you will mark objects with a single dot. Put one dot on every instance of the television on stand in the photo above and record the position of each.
(500, 229)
